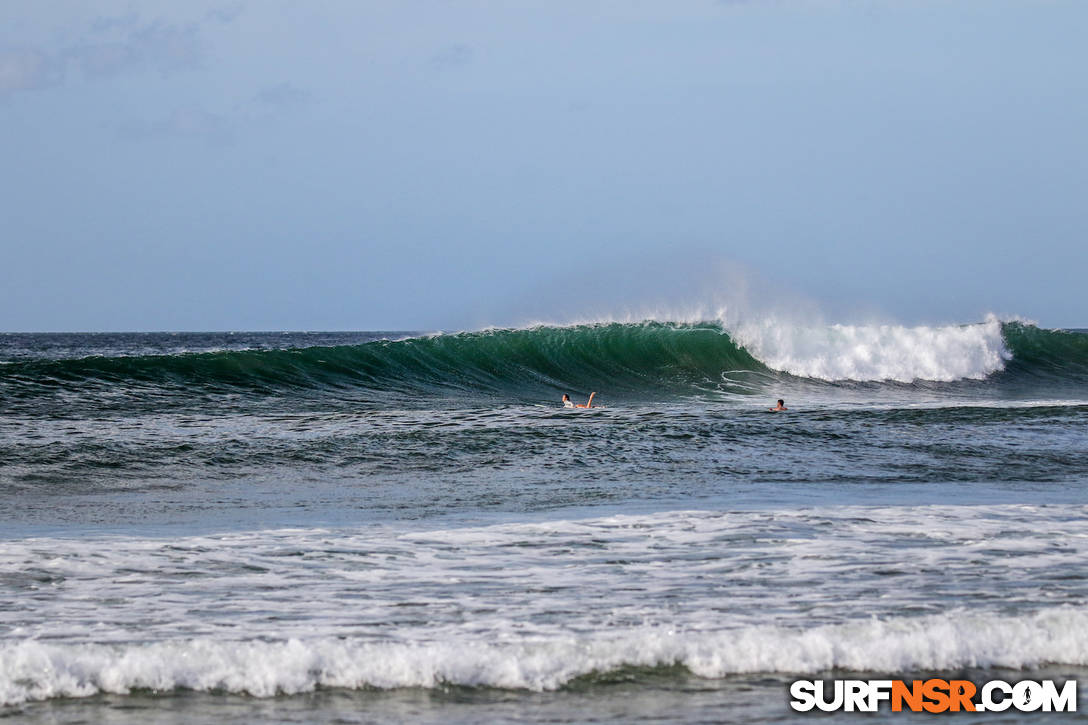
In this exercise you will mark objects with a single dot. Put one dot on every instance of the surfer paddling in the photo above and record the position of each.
(568, 404)
(780, 407)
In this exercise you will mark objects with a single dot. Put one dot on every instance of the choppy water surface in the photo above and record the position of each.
(372, 527)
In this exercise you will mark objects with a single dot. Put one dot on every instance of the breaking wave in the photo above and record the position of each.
(647, 359)
(35, 670)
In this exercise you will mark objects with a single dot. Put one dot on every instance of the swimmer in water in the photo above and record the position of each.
(568, 404)
(781, 406)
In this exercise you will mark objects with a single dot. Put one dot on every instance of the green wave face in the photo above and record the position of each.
(1054, 355)
(652, 359)
(643, 361)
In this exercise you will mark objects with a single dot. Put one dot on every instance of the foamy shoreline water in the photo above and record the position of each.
(776, 591)
(35, 670)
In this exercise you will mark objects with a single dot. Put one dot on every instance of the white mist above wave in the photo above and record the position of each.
(34, 670)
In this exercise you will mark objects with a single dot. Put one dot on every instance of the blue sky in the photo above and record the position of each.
(425, 165)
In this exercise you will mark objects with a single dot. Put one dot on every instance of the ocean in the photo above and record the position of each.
(405, 527)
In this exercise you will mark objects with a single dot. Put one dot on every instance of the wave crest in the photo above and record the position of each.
(879, 352)
(32, 670)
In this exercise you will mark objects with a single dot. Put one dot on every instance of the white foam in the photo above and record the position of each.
(877, 352)
(35, 670)
(534, 604)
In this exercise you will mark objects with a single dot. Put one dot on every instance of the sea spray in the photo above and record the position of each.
(878, 352)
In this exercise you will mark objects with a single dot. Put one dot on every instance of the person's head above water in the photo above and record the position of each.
(566, 397)
(781, 402)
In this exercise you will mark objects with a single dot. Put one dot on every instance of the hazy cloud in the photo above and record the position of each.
(24, 69)
(106, 24)
(192, 123)
(225, 14)
(158, 46)
(283, 96)
(168, 47)
(137, 47)
(455, 56)
(218, 129)
(104, 60)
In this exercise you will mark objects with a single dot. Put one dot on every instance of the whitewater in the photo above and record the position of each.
(394, 526)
